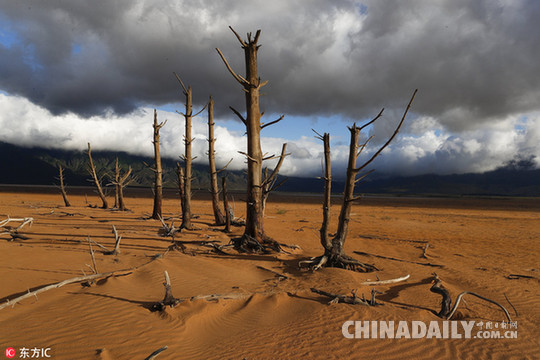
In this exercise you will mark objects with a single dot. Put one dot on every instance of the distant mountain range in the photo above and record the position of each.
(38, 166)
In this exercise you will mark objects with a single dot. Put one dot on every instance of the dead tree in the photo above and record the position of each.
(120, 182)
(226, 205)
(180, 180)
(157, 169)
(270, 180)
(334, 253)
(254, 237)
(62, 185)
(188, 116)
(214, 190)
(325, 240)
(96, 180)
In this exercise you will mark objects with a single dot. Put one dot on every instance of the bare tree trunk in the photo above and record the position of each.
(116, 182)
(96, 180)
(180, 179)
(188, 115)
(218, 216)
(62, 187)
(348, 195)
(325, 241)
(226, 205)
(254, 231)
(158, 170)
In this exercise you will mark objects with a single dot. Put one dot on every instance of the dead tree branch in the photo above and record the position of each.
(337, 298)
(391, 137)
(396, 259)
(62, 185)
(447, 311)
(153, 355)
(169, 299)
(14, 232)
(269, 181)
(386, 282)
(65, 282)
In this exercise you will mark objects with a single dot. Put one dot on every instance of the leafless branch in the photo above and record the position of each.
(238, 78)
(273, 122)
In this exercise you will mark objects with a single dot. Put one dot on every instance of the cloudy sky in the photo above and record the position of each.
(74, 71)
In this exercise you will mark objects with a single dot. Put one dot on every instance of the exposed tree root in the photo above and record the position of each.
(447, 311)
(341, 261)
(169, 299)
(250, 244)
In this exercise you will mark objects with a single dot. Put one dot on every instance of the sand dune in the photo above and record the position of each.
(478, 243)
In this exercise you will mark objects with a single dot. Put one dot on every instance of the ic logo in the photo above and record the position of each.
(10, 353)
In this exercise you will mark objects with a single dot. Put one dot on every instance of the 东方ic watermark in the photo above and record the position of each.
(446, 329)
(28, 353)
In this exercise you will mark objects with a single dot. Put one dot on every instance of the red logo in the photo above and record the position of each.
(10, 352)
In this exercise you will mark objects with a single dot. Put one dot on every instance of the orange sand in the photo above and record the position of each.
(479, 242)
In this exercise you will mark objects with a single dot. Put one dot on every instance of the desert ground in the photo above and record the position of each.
(478, 244)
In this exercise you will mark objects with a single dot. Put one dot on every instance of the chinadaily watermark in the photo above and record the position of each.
(365, 329)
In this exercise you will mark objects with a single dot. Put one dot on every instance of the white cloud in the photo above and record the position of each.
(424, 146)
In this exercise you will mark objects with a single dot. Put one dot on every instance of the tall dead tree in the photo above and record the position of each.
(120, 182)
(226, 205)
(325, 240)
(218, 215)
(254, 237)
(96, 180)
(334, 253)
(157, 169)
(188, 159)
(180, 181)
(62, 186)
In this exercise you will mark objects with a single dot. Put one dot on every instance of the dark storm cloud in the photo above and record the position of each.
(474, 62)
(471, 60)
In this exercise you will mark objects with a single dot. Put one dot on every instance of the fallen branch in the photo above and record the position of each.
(400, 260)
(65, 282)
(24, 221)
(446, 311)
(14, 232)
(506, 297)
(424, 254)
(458, 299)
(156, 353)
(231, 296)
(384, 282)
(518, 276)
(336, 298)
